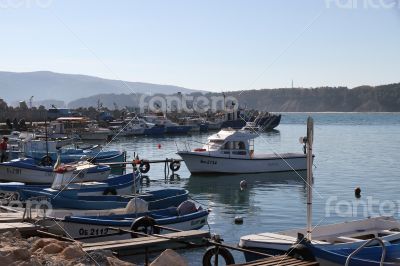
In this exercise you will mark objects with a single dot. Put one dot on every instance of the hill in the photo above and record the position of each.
(45, 85)
(385, 98)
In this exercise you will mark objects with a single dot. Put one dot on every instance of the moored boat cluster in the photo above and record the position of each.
(71, 203)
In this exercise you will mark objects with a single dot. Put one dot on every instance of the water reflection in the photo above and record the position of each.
(272, 132)
(225, 189)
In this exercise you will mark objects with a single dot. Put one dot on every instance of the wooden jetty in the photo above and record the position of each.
(13, 220)
(142, 245)
(11, 217)
(23, 228)
(282, 260)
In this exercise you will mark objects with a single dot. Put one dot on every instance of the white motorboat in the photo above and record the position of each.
(232, 151)
(331, 237)
(334, 236)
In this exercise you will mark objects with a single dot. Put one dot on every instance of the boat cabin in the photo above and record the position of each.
(231, 143)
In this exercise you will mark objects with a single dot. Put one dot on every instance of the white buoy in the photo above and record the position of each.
(243, 185)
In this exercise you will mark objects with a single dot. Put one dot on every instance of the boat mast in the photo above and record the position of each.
(309, 143)
(46, 137)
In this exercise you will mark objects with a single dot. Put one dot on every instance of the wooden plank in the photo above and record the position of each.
(282, 260)
(4, 227)
(152, 243)
(178, 235)
(10, 217)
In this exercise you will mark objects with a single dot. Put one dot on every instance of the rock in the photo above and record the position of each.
(169, 257)
(21, 254)
(42, 242)
(73, 252)
(53, 248)
(35, 262)
(16, 251)
(9, 255)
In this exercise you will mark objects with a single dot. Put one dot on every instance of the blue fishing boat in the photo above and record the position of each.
(114, 185)
(74, 155)
(85, 226)
(26, 170)
(155, 130)
(386, 255)
(74, 200)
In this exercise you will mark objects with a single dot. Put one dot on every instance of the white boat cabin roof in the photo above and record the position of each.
(232, 135)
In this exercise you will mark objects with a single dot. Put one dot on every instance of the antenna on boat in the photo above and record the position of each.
(309, 143)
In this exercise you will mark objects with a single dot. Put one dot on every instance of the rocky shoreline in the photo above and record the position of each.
(36, 251)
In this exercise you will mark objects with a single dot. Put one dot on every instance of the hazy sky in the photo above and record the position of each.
(215, 45)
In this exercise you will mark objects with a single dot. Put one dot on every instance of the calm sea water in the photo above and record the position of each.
(351, 149)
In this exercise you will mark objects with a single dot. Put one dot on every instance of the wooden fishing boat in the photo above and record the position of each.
(27, 171)
(114, 185)
(101, 226)
(73, 200)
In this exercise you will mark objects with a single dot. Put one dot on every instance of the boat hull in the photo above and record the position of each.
(11, 173)
(347, 235)
(80, 228)
(74, 199)
(177, 129)
(198, 163)
(121, 185)
(95, 135)
(154, 131)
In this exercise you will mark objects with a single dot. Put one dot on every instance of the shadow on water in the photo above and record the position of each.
(271, 132)
(225, 189)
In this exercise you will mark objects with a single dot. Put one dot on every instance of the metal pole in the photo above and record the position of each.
(310, 130)
(47, 140)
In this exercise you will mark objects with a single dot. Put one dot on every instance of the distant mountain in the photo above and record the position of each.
(384, 98)
(83, 91)
(107, 100)
(45, 85)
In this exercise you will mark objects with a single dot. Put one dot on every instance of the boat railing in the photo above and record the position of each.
(355, 252)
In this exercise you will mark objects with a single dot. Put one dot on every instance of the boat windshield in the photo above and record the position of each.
(215, 144)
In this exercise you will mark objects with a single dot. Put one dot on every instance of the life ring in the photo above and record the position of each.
(223, 252)
(174, 166)
(110, 191)
(301, 252)
(146, 178)
(46, 161)
(144, 225)
(144, 167)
